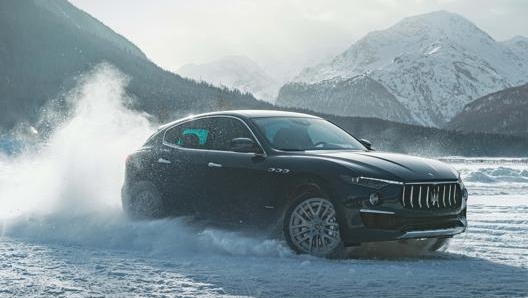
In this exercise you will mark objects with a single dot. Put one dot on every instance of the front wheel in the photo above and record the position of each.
(143, 200)
(311, 227)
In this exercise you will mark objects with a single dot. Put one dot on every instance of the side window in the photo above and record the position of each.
(225, 129)
(193, 134)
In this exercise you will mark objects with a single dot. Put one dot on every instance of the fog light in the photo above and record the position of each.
(375, 198)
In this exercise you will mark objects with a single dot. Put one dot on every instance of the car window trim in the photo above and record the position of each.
(264, 153)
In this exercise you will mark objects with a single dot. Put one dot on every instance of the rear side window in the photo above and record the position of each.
(193, 134)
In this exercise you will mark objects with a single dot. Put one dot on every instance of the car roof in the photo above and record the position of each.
(244, 114)
(258, 113)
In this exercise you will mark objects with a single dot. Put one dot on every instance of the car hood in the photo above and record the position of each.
(393, 166)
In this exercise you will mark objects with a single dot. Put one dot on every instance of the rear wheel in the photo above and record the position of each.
(143, 201)
(311, 227)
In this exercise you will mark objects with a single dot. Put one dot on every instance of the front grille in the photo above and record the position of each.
(430, 196)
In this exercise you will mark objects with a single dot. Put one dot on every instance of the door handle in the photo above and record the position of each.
(163, 160)
(214, 165)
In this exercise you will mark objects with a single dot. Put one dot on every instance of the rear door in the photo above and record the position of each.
(184, 160)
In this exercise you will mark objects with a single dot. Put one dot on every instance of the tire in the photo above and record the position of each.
(310, 226)
(143, 201)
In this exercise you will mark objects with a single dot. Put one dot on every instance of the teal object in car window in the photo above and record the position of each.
(202, 134)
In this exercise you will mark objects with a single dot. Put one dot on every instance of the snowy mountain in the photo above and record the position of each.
(359, 96)
(500, 112)
(519, 45)
(434, 64)
(238, 72)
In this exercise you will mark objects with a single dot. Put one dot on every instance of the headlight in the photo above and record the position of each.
(463, 189)
(369, 182)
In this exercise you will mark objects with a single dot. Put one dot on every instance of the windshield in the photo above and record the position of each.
(299, 134)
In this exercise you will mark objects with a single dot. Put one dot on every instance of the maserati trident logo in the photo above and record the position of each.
(435, 194)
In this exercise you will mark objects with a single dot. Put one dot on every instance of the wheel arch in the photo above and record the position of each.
(305, 183)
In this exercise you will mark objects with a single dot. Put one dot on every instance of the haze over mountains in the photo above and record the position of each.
(432, 64)
(46, 45)
(237, 72)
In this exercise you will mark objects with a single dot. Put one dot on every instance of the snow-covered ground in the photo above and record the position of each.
(100, 253)
(63, 232)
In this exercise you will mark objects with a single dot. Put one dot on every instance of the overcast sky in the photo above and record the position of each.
(273, 32)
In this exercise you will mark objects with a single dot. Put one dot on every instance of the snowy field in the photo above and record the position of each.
(100, 253)
(63, 232)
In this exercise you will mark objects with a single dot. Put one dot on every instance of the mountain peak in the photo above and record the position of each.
(438, 24)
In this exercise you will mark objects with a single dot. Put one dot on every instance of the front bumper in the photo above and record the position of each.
(433, 233)
(395, 219)
(386, 226)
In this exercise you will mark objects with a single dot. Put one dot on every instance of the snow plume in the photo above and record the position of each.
(79, 169)
(70, 190)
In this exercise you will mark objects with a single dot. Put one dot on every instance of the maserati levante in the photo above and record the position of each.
(298, 174)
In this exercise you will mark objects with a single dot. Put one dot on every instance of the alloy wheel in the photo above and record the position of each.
(313, 227)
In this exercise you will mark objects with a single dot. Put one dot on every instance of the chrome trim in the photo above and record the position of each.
(427, 198)
(432, 233)
(214, 165)
(431, 182)
(454, 195)
(443, 196)
(164, 161)
(376, 211)
(420, 196)
(170, 126)
(411, 199)
(428, 201)
(403, 196)
(381, 180)
(449, 195)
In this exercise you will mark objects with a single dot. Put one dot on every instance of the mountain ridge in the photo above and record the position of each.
(434, 64)
(42, 52)
(497, 112)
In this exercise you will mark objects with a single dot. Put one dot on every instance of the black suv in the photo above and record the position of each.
(323, 188)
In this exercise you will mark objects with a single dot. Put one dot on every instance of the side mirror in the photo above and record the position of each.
(244, 145)
(366, 143)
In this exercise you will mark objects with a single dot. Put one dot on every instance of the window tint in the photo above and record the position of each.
(193, 134)
(225, 129)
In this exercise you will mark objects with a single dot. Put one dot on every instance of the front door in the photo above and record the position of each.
(240, 189)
